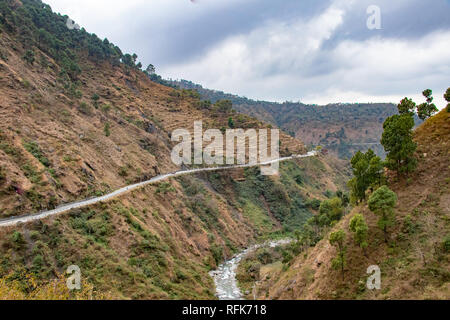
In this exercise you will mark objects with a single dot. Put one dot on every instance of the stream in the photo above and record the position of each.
(225, 275)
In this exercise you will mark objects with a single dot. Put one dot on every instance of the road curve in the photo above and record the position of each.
(88, 202)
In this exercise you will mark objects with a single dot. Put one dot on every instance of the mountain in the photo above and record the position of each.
(343, 129)
(414, 263)
(79, 119)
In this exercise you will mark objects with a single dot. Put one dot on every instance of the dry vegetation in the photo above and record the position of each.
(63, 141)
(415, 261)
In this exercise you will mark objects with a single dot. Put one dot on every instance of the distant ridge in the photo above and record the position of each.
(343, 128)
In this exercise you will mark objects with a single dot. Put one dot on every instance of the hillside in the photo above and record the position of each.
(341, 128)
(415, 263)
(78, 118)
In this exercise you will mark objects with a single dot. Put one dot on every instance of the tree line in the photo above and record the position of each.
(37, 26)
(370, 184)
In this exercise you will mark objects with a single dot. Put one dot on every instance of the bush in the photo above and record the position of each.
(446, 243)
(123, 172)
(17, 239)
(224, 106)
(33, 148)
(264, 256)
(107, 129)
(84, 108)
(95, 98)
(313, 204)
(231, 123)
(106, 108)
(203, 105)
(217, 253)
(29, 56)
(164, 188)
(330, 211)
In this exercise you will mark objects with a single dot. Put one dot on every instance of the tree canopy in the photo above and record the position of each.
(36, 25)
(447, 98)
(427, 109)
(367, 171)
(337, 240)
(330, 211)
(360, 229)
(382, 203)
(397, 140)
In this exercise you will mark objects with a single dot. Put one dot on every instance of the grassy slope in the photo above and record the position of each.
(414, 264)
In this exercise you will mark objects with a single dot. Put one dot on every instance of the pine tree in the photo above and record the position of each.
(382, 203)
(447, 98)
(360, 229)
(330, 211)
(427, 109)
(337, 240)
(367, 171)
(397, 140)
(406, 106)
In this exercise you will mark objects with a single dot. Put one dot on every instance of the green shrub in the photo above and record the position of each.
(123, 172)
(409, 226)
(164, 188)
(95, 98)
(264, 256)
(313, 204)
(231, 123)
(107, 129)
(33, 148)
(17, 239)
(106, 107)
(29, 56)
(84, 108)
(446, 243)
(217, 253)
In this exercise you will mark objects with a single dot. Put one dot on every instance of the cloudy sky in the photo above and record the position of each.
(314, 51)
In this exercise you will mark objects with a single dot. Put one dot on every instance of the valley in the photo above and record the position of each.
(104, 167)
(80, 128)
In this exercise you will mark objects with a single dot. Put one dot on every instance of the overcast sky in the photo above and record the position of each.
(314, 51)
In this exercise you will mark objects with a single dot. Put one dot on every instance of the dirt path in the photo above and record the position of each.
(84, 203)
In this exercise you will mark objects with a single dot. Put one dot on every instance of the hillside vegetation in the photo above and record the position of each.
(343, 129)
(414, 255)
(78, 119)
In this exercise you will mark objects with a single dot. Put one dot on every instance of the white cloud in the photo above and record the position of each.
(277, 46)
(286, 60)
(315, 60)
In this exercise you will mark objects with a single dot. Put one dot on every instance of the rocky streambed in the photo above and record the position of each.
(225, 275)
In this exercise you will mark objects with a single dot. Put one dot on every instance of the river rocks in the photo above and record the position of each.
(225, 275)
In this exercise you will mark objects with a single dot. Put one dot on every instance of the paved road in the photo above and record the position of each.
(84, 203)
(366, 144)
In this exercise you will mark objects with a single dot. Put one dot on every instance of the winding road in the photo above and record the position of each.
(13, 221)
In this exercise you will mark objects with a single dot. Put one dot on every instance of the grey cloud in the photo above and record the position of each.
(192, 45)
(187, 39)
